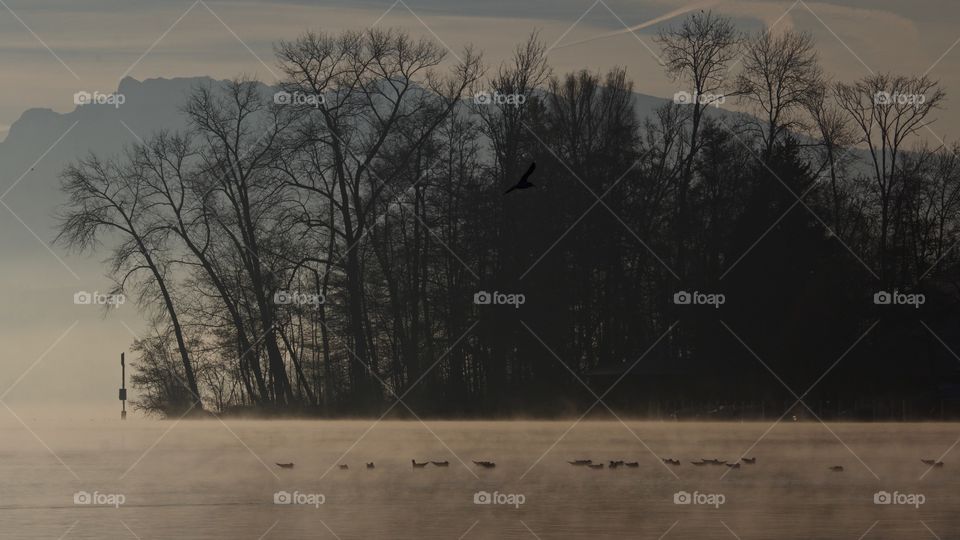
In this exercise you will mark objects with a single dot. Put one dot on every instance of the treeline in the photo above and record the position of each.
(324, 250)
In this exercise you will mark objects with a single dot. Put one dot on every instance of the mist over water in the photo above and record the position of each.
(207, 479)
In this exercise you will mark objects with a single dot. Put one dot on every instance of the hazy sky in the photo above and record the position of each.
(51, 49)
(100, 41)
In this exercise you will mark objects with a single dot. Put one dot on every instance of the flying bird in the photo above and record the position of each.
(524, 183)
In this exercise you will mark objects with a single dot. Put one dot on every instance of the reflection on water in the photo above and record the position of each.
(204, 479)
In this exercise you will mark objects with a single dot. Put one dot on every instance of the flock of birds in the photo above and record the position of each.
(669, 461)
(705, 461)
(371, 465)
(613, 464)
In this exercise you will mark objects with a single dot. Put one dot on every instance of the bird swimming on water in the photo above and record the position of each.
(285, 465)
(441, 463)
(932, 462)
(418, 465)
(524, 183)
(749, 460)
(370, 465)
(344, 466)
(485, 464)
(837, 468)
(581, 462)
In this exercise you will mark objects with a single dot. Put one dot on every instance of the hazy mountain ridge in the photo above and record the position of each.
(150, 106)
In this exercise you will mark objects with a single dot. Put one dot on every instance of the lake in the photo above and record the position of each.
(207, 479)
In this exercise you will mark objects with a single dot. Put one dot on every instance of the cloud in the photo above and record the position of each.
(657, 20)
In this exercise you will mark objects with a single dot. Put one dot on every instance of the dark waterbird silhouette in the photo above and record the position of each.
(749, 460)
(370, 465)
(581, 462)
(441, 463)
(285, 465)
(418, 465)
(932, 462)
(837, 468)
(344, 466)
(485, 464)
(524, 183)
(595, 465)
(634, 464)
(733, 465)
(671, 461)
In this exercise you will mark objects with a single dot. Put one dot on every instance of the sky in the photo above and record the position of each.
(51, 49)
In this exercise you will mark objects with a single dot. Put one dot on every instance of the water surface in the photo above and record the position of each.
(206, 479)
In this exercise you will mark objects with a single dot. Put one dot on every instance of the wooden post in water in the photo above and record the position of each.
(123, 387)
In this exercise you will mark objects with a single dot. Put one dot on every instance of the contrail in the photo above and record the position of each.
(641, 26)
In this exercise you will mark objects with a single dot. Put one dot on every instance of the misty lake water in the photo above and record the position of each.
(206, 479)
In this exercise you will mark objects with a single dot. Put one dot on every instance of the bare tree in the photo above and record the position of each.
(831, 128)
(240, 132)
(779, 71)
(698, 52)
(887, 110)
(170, 171)
(368, 86)
(106, 199)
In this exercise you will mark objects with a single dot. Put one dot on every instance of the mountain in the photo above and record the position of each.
(105, 129)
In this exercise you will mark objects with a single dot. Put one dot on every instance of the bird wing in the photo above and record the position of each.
(533, 165)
